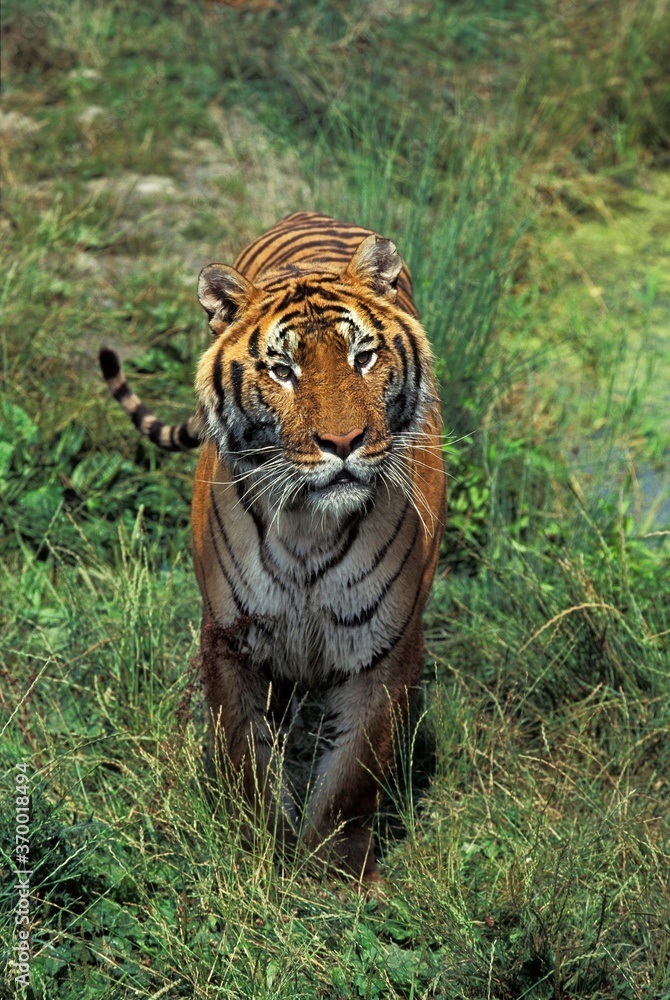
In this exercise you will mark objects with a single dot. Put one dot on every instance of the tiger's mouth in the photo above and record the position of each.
(343, 493)
(343, 478)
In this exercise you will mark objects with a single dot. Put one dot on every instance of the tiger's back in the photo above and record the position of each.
(317, 515)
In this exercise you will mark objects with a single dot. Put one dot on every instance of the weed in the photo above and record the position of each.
(506, 148)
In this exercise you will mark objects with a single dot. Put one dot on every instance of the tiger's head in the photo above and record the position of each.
(316, 381)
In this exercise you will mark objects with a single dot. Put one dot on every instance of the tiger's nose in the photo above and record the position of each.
(341, 445)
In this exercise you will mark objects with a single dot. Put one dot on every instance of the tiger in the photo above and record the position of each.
(318, 509)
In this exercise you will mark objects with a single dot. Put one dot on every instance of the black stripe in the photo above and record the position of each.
(329, 228)
(253, 342)
(317, 221)
(292, 273)
(226, 540)
(331, 560)
(335, 560)
(217, 376)
(335, 315)
(236, 373)
(288, 272)
(264, 555)
(338, 258)
(122, 392)
(286, 238)
(400, 348)
(289, 220)
(259, 392)
(407, 399)
(384, 549)
(396, 414)
(408, 419)
(259, 524)
(244, 261)
(240, 490)
(236, 438)
(301, 219)
(207, 600)
(371, 315)
(185, 438)
(339, 230)
(405, 295)
(308, 238)
(287, 319)
(241, 607)
(409, 333)
(285, 300)
(364, 616)
(377, 659)
(317, 243)
(410, 390)
(154, 432)
(138, 415)
(335, 297)
(316, 310)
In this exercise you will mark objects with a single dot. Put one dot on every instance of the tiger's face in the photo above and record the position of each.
(316, 380)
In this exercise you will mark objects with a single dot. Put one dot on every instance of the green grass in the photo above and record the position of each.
(517, 153)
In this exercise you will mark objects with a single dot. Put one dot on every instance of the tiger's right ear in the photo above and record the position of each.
(223, 293)
(377, 264)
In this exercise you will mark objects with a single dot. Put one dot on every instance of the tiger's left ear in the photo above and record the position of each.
(224, 294)
(377, 264)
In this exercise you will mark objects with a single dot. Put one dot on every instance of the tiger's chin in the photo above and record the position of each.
(340, 498)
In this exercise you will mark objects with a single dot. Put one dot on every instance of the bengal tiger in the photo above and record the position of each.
(317, 514)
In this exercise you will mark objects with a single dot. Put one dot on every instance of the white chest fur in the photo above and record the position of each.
(330, 596)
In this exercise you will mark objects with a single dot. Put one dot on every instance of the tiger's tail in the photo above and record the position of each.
(172, 437)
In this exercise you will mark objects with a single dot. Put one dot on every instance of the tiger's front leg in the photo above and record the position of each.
(245, 728)
(363, 718)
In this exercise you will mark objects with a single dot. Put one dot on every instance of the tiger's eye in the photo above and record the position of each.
(363, 358)
(283, 372)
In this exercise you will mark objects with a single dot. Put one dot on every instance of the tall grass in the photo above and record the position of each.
(451, 211)
(524, 835)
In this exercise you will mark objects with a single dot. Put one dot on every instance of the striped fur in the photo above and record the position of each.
(317, 515)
